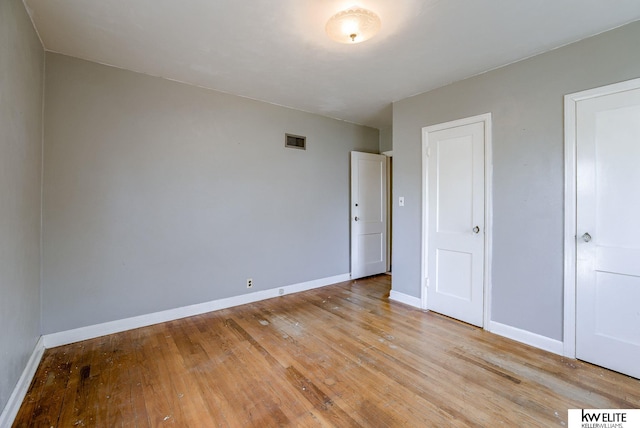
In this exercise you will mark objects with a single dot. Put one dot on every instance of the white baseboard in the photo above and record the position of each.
(406, 299)
(533, 339)
(83, 333)
(10, 411)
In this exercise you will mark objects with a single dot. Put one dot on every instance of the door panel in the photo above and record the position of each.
(455, 243)
(368, 214)
(454, 192)
(608, 235)
(611, 317)
(454, 274)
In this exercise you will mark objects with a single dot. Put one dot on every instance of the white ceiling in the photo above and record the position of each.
(277, 51)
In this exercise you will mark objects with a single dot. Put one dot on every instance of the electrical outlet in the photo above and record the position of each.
(281, 291)
(249, 282)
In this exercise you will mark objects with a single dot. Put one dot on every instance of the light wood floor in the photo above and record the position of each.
(342, 355)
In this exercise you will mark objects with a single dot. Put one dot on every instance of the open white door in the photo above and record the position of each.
(608, 231)
(455, 218)
(368, 214)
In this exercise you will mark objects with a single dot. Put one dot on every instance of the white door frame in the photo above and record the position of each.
(389, 155)
(488, 216)
(570, 209)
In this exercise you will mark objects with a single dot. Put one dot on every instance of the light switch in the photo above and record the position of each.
(401, 201)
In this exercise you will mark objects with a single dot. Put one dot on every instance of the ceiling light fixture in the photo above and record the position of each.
(354, 25)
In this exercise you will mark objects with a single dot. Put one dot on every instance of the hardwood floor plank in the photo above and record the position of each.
(240, 374)
(342, 355)
(350, 362)
(281, 371)
(75, 393)
(187, 355)
(53, 372)
(319, 399)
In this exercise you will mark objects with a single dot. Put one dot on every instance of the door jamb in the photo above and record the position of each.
(570, 204)
(488, 204)
(389, 155)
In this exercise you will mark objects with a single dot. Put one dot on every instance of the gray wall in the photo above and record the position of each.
(386, 139)
(159, 195)
(526, 100)
(21, 80)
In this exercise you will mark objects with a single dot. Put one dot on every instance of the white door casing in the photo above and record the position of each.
(389, 155)
(602, 243)
(368, 214)
(454, 219)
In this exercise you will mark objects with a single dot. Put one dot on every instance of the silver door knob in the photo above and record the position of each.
(357, 218)
(586, 237)
(476, 229)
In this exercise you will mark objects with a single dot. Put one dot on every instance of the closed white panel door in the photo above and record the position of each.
(608, 231)
(455, 254)
(368, 214)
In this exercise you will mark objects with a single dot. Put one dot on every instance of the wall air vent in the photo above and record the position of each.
(295, 141)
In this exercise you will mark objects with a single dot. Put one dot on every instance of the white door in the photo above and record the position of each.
(455, 220)
(608, 231)
(368, 214)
